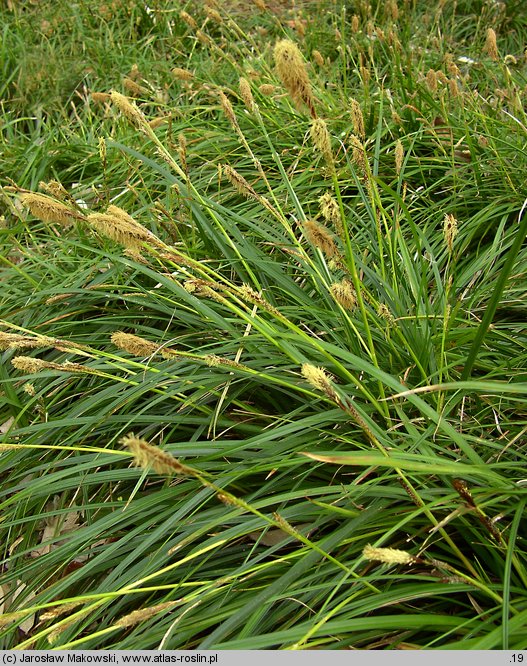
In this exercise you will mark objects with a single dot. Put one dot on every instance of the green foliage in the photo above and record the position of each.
(333, 376)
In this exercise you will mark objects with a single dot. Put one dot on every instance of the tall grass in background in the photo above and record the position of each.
(263, 332)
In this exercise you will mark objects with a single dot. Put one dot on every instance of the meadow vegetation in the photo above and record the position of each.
(264, 354)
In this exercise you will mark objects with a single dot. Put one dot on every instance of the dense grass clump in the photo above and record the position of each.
(263, 326)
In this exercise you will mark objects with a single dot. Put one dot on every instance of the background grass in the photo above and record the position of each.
(415, 436)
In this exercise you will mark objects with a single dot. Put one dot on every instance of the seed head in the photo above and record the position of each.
(321, 237)
(128, 109)
(148, 456)
(267, 89)
(450, 231)
(143, 614)
(399, 156)
(187, 18)
(387, 555)
(182, 74)
(344, 293)
(48, 210)
(318, 57)
(357, 119)
(246, 94)
(292, 71)
(491, 45)
(322, 141)
(330, 211)
(122, 228)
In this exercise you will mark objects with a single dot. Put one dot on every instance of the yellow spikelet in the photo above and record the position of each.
(387, 555)
(322, 141)
(293, 73)
(148, 456)
(128, 109)
(137, 616)
(344, 293)
(48, 210)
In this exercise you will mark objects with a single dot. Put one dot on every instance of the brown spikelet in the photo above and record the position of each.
(450, 230)
(134, 88)
(399, 156)
(148, 456)
(33, 365)
(213, 14)
(365, 74)
(204, 289)
(188, 19)
(249, 294)
(55, 189)
(228, 110)
(387, 555)
(203, 38)
(267, 89)
(355, 23)
(60, 610)
(17, 341)
(451, 66)
(293, 73)
(100, 97)
(128, 109)
(214, 361)
(358, 155)
(137, 616)
(453, 87)
(157, 122)
(182, 74)
(246, 94)
(318, 57)
(137, 346)
(357, 119)
(391, 10)
(491, 45)
(55, 634)
(239, 182)
(133, 344)
(48, 210)
(320, 237)
(182, 151)
(344, 293)
(431, 80)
